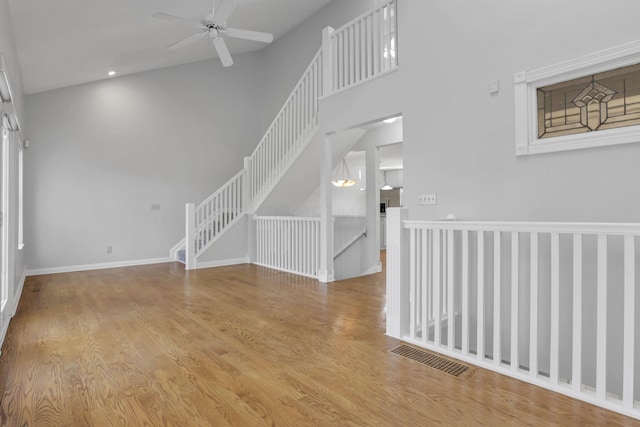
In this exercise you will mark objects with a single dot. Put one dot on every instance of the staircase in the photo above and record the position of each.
(363, 49)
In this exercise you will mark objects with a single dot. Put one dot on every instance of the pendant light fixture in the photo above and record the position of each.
(386, 186)
(342, 177)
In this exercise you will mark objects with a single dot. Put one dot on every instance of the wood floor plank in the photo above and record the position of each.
(238, 346)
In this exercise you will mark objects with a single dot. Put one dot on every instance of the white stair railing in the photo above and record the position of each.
(552, 304)
(296, 121)
(211, 218)
(362, 49)
(290, 244)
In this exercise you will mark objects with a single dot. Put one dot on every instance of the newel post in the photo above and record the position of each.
(246, 186)
(326, 274)
(190, 237)
(327, 61)
(397, 273)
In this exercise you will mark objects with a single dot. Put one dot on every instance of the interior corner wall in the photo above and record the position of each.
(16, 267)
(8, 48)
(288, 57)
(459, 139)
(103, 153)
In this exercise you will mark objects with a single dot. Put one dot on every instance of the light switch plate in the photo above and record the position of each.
(427, 199)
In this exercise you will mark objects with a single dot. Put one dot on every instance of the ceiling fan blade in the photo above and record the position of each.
(184, 42)
(223, 12)
(176, 20)
(250, 35)
(223, 52)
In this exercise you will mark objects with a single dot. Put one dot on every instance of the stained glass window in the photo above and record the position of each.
(588, 104)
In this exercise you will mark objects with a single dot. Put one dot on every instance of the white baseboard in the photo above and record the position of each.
(12, 309)
(3, 333)
(324, 277)
(373, 270)
(102, 266)
(16, 297)
(222, 263)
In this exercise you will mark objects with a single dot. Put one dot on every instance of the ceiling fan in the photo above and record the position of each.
(214, 25)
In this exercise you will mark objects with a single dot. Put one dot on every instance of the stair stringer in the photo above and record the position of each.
(205, 259)
(311, 136)
(173, 252)
(229, 247)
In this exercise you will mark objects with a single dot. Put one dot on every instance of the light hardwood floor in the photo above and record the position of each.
(242, 346)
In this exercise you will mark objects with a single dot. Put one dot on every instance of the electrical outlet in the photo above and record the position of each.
(155, 207)
(427, 199)
(109, 249)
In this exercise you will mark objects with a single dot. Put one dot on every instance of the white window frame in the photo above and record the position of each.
(526, 84)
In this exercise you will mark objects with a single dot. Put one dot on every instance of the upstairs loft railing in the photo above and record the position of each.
(553, 304)
(357, 52)
(362, 49)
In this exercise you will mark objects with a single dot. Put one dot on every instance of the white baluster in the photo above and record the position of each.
(497, 309)
(413, 266)
(437, 284)
(357, 53)
(421, 297)
(480, 311)
(465, 292)
(376, 43)
(601, 323)
(629, 322)
(190, 244)
(533, 310)
(554, 357)
(450, 312)
(576, 365)
(515, 287)
(327, 60)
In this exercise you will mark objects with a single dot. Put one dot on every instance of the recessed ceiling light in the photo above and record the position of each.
(111, 73)
(390, 120)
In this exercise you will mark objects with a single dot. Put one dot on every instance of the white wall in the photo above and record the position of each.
(8, 48)
(286, 59)
(459, 139)
(102, 153)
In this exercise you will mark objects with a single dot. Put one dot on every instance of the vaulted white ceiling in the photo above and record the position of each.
(67, 42)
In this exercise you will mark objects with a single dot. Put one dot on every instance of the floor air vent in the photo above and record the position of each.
(440, 363)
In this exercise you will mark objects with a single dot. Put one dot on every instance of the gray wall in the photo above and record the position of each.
(287, 58)
(102, 153)
(459, 139)
(92, 158)
(8, 48)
